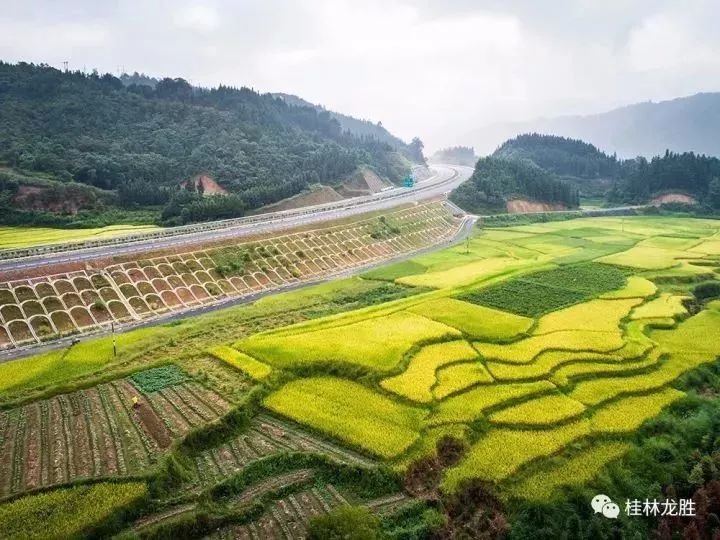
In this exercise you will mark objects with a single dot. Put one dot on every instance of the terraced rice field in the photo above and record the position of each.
(545, 361)
(45, 308)
(533, 345)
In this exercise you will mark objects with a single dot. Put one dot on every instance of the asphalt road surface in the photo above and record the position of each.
(444, 179)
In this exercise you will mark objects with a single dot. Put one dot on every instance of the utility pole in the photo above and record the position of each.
(112, 327)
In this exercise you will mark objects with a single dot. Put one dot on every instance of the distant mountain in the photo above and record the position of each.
(456, 155)
(359, 128)
(644, 129)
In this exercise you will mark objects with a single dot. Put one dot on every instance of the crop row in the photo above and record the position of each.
(288, 517)
(97, 432)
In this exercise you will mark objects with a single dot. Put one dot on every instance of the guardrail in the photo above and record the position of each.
(34, 251)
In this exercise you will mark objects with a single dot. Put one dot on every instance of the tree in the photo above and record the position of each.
(713, 194)
(415, 150)
(345, 523)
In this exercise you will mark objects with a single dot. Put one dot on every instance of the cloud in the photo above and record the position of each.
(197, 17)
(423, 67)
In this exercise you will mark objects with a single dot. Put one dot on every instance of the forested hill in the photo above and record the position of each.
(641, 179)
(560, 155)
(141, 142)
(555, 170)
(362, 128)
(496, 181)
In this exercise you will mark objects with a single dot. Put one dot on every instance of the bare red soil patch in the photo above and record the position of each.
(523, 206)
(673, 198)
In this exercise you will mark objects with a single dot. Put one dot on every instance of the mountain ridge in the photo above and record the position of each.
(682, 124)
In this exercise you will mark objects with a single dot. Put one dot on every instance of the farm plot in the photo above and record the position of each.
(48, 307)
(378, 343)
(267, 436)
(547, 291)
(417, 381)
(253, 368)
(474, 320)
(68, 512)
(574, 470)
(105, 431)
(289, 516)
(350, 412)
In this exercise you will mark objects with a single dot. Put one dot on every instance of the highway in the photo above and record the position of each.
(12, 354)
(444, 179)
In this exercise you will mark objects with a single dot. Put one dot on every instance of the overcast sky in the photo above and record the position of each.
(438, 69)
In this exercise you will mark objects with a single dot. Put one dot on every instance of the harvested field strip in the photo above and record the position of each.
(8, 445)
(417, 380)
(273, 484)
(64, 417)
(197, 405)
(59, 451)
(90, 426)
(133, 439)
(468, 406)
(328, 404)
(305, 440)
(174, 421)
(107, 450)
(213, 400)
(120, 450)
(576, 470)
(484, 461)
(189, 415)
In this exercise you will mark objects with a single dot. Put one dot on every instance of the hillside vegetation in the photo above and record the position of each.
(496, 180)
(549, 169)
(138, 143)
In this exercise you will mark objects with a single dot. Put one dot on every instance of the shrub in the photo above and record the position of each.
(703, 291)
(345, 523)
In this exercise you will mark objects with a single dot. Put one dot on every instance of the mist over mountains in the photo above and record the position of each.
(644, 129)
